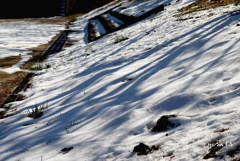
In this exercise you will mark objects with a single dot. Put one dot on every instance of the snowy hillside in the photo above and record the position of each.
(103, 98)
(16, 37)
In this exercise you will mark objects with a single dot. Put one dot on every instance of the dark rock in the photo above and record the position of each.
(65, 150)
(143, 149)
(127, 80)
(163, 123)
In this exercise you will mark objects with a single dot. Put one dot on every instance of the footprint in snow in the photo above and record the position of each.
(226, 79)
(180, 68)
(172, 77)
(177, 69)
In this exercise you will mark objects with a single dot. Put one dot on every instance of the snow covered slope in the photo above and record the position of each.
(104, 98)
(16, 37)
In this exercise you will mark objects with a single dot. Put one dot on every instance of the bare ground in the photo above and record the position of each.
(8, 82)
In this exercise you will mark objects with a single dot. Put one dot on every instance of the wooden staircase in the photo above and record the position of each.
(112, 21)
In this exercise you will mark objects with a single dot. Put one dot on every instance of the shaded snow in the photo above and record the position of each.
(105, 103)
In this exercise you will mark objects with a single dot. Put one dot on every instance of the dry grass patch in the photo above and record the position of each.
(200, 5)
(8, 82)
(52, 20)
(9, 61)
(57, 20)
(37, 54)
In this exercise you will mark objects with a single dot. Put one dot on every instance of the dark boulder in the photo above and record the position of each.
(163, 123)
(143, 149)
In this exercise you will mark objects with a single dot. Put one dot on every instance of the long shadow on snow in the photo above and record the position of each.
(89, 110)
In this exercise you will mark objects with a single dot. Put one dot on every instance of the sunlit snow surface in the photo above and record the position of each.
(18, 36)
(104, 98)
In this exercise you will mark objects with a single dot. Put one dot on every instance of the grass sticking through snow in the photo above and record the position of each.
(120, 39)
(36, 112)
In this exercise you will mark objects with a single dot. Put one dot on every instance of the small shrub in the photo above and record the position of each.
(36, 112)
(89, 49)
(41, 66)
(73, 123)
(120, 39)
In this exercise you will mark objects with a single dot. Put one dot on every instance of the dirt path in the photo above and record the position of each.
(8, 82)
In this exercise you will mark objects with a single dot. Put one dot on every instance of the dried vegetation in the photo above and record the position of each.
(200, 5)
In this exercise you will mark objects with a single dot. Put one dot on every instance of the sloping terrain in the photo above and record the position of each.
(99, 100)
(17, 39)
(112, 20)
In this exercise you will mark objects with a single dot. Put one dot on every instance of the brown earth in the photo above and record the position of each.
(8, 82)
(199, 5)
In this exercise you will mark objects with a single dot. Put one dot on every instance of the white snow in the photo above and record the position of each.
(17, 36)
(139, 7)
(99, 29)
(105, 103)
(114, 20)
